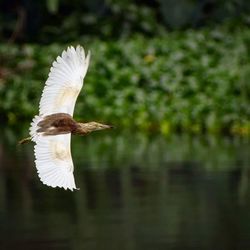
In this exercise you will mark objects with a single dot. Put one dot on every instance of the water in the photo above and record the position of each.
(136, 192)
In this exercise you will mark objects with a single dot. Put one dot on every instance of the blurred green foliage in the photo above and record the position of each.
(189, 80)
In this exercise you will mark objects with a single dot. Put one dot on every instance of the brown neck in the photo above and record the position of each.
(84, 128)
(81, 129)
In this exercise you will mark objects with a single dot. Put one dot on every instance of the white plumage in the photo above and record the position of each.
(64, 82)
(53, 155)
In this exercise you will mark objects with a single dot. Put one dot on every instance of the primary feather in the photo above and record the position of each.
(64, 82)
(54, 162)
(53, 156)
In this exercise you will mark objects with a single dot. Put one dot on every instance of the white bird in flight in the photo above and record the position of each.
(51, 130)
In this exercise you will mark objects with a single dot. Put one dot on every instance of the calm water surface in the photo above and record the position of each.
(136, 192)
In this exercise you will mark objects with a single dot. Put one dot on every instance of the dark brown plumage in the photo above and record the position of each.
(63, 123)
(56, 124)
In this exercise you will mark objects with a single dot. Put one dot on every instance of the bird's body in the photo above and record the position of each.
(51, 130)
(57, 124)
(63, 123)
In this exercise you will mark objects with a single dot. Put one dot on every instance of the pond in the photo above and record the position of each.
(137, 192)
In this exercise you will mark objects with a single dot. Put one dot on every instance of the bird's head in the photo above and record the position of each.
(94, 126)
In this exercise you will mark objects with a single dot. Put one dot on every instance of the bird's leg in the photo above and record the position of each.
(25, 140)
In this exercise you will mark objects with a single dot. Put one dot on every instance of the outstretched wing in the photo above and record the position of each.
(53, 155)
(54, 162)
(64, 82)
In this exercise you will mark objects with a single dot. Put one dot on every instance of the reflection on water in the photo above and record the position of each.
(135, 193)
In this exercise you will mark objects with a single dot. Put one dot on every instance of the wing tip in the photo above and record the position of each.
(56, 182)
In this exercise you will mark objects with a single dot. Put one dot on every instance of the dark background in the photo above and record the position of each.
(61, 21)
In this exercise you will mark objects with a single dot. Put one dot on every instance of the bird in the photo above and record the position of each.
(52, 128)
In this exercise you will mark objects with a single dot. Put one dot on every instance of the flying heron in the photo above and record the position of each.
(51, 130)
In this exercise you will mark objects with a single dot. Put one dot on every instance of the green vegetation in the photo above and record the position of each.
(194, 81)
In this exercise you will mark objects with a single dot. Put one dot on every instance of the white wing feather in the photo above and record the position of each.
(54, 162)
(53, 156)
(64, 82)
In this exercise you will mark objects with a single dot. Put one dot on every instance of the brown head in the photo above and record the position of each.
(91, 126)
